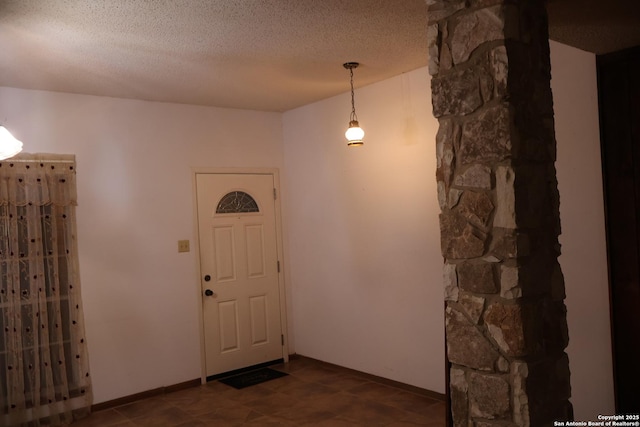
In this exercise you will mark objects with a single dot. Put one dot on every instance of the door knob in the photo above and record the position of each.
(207, 278)
(208, 292)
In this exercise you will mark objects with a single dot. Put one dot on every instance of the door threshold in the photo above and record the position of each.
(243, 370)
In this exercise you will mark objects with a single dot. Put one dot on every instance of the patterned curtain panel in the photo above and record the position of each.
(44, 367)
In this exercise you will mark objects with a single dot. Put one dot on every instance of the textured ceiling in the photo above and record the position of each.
(270, 55)
(598, 26)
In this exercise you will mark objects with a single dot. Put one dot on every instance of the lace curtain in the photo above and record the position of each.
(44, 368)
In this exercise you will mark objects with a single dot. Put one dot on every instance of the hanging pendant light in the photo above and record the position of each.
(9, 145)
(355, 133)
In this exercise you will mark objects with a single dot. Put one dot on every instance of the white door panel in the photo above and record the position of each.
(238, 252)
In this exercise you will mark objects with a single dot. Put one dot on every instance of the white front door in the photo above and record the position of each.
(239, 270)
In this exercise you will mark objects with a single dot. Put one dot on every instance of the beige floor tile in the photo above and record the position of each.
(374, 391)
(373, 413)
(105, 418)
(343, 382)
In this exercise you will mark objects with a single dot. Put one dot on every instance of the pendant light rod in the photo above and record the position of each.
(354, 133)
(350, 66)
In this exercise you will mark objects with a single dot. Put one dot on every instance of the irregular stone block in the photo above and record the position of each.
(486, 86)
(519, 374)
(458, 380)
(476, 176)
(477, 278)
(537, 269)
(433, 47)
(466, 345)
(497, 423)
(503, 365)
(557, 284)
(456, 93)
(459, 399)
(444, 28)
(505, 216)
(454, 197)
(458, 238)
(452, 226)
(548, 390)
(486, 138)
(447, 136)
(439, 10)
(488, 396)
(475, 207)
(491, 258)
(442, 195)
(450, 282)
(509, 283)
(504, 323)
(500, 69)
(555, 332)
(535, 187)
(446, 62)
(473, 305)
(509, 244)
(563, 375)
(474, 29)
(484, 3)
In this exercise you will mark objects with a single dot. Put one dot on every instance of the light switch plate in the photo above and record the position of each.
(183, 246)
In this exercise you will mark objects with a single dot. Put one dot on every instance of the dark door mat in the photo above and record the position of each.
(252, 378)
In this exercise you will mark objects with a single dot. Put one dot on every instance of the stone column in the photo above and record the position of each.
(505, 316)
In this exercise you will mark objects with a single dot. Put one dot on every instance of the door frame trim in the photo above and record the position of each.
(275, 173)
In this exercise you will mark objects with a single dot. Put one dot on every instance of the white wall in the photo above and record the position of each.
(583, 259)
(135, 202)
(364, 243)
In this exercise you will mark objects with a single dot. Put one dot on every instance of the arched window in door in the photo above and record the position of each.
(237, 202)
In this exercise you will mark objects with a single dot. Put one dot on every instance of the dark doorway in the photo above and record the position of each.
(619, 98)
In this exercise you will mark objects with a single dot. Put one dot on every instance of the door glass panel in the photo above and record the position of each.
(237, 202)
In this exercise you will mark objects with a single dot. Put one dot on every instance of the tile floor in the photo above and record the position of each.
(313, 394)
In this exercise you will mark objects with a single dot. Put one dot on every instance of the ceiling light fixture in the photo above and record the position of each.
(355, 133)
(9, 145)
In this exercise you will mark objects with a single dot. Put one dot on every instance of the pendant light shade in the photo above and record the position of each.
(9, 146)
(355, 133)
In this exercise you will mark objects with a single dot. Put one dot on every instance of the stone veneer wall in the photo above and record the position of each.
(505, 316)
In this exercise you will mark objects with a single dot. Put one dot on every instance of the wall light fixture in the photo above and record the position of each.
(9, 145)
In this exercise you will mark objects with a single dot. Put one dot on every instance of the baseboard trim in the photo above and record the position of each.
(145, 394)
(397, 384)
